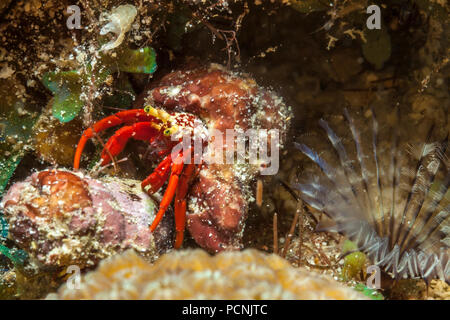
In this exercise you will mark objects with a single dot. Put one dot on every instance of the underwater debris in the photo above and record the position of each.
(119, 22)
(386, 189)
(193, 274)
(62, 218)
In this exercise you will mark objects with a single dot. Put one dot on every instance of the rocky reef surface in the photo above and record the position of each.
(64, 218)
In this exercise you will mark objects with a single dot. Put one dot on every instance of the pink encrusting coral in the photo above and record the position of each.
(194, 274)
(63, 218)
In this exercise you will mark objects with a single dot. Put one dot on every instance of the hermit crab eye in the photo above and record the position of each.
(147, 109)
(167, 132)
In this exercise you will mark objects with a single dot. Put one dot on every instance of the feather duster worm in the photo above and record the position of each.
(385, 189)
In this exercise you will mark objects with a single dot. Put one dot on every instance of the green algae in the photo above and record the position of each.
(4, 227)
(353, 262)
(17, 256)
(16, 123)
(68, 87)
(371, 293)
(138, 61)
(7, 168)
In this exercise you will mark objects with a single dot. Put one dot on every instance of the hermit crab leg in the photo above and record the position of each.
(138, 131)
(127, 116)
(180, 204)
(160, 175)
(177, 167)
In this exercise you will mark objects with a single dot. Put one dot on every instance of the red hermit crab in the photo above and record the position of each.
(199, 103)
